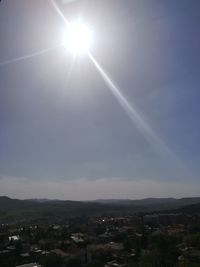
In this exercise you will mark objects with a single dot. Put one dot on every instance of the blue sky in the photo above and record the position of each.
(62, 132)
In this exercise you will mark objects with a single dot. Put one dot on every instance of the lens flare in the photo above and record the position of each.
(78, 38)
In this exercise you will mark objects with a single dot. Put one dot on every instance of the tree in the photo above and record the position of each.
(95, 263)
(75, 262)
(52, 260)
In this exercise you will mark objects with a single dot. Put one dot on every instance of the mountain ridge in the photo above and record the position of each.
(27, 210)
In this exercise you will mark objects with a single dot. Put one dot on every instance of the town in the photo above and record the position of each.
(165, 239)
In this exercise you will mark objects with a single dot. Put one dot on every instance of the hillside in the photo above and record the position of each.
(36, 209)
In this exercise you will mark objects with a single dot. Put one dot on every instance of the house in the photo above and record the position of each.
(114, 263)
(29, 265)
(14, 238)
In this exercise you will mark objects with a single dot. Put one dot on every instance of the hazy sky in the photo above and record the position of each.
(62, 132)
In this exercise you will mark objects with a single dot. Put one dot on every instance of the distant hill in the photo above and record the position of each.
(195, 208)
(56, 208)
(145, 201)
(7, 203)
(157, 203)
(44, 208)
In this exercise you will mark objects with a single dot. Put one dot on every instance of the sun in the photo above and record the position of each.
(78, 38)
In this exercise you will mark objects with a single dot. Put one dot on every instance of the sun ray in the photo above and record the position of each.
(143, 127)
(38, 53)
(60, 12)
(71, 67)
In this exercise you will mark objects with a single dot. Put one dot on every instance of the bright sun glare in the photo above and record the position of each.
(79, 38)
